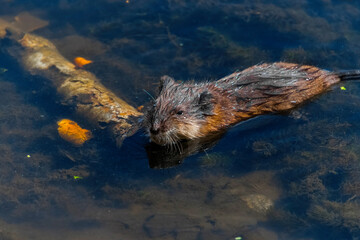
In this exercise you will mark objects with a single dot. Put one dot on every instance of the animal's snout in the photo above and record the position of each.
(155, 127)
(154, 131)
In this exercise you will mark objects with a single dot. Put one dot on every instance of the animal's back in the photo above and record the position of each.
(275, 87)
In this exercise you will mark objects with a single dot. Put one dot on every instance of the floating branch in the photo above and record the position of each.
(77, 88)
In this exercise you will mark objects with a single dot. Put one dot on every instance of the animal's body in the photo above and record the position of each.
(195, 110)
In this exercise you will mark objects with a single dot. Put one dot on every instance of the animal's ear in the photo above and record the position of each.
(164, 81)
(205, 103)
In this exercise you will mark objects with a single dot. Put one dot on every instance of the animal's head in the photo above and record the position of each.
(179, 111)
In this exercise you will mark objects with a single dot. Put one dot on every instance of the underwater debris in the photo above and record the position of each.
(3, 70)
(258, 202)
(232, 49)
(345, 215)
(24, 22)
(28, 23)
(71, 132)
(210, 160)
(264, 148)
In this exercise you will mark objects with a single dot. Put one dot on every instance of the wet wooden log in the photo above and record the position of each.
(77, 88)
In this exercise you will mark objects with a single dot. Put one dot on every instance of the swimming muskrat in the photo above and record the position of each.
(195, 110)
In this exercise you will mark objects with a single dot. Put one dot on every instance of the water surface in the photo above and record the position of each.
(290, 176)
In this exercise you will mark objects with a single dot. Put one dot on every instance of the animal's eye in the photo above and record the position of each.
(179, 112)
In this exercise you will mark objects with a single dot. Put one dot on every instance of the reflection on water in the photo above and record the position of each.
(293, 176)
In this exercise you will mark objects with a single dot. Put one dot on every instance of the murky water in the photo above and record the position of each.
(291, 176)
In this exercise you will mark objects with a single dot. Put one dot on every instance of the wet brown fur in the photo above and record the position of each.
(189, 110)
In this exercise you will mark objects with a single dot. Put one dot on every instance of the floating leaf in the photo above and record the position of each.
(343, 88)
(80, 62)
(70, 131)
(77, 177)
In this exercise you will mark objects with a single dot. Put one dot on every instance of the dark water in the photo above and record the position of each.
(291, 176)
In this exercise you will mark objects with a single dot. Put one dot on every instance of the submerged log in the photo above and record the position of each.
(77, 88)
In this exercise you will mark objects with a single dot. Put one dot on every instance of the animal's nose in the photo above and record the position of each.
(154, 131)
(155, 127)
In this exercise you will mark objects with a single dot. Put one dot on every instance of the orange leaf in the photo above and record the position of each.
(80, 62)
(70, 131)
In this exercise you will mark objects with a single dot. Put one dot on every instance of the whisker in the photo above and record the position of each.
(151, 96)
(177, 143)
